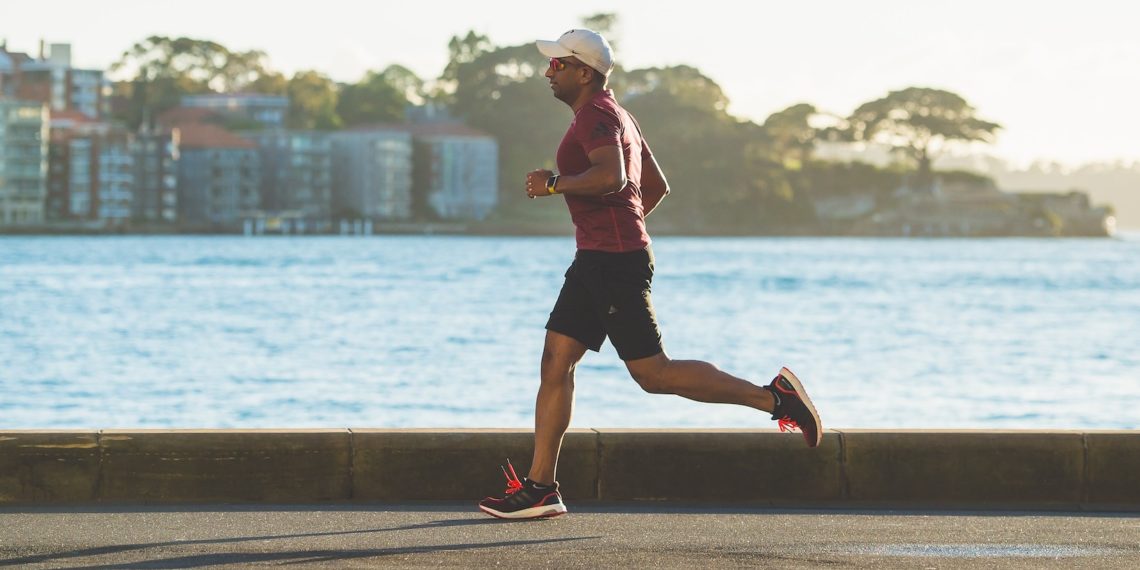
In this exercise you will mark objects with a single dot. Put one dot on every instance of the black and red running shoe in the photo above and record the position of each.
(524, 499)
(794, 409)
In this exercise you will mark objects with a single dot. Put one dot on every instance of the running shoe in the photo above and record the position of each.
(524, 499)
(794, 409)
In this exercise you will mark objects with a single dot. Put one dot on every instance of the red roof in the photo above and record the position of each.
(376, 127)
(70, 115)
(445, 129)
(18, 56)
(423, 129)
(73, 122)
(179, 116)
(210, 136)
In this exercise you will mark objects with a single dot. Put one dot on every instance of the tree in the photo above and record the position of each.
(372, 100)
(714, 160)
(684, 85)
(244, 71)
(312, 102)
(604, 23)
(792, 134)
(920, 122)
(503, 92)
(711, 158)
(720, 167)
(269, 83)
(162, 69)
(405, 81)
(461, 51)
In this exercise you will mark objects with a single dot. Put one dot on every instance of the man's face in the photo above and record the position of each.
(566, 78)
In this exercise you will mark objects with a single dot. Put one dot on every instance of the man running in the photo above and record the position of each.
(611, 182)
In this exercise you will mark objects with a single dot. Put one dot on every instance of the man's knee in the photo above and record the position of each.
(559, 360)
(557, 372)
(651, 377)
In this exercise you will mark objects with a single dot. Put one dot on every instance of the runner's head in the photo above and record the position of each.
(579, 59)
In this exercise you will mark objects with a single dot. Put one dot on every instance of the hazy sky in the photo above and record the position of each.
(1062, 77)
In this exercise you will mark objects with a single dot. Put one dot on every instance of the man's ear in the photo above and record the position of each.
(585, 75)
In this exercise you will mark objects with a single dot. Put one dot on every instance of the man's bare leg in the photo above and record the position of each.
(697, 380)
(555, 403)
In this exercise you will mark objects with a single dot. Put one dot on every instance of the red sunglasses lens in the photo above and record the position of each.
(557, 64)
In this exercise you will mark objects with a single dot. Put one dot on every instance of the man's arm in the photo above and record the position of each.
(654, 187)
(606, 175)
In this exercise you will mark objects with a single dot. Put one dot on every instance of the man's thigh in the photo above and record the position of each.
(630, 320)
(561, 351)
(576, 313)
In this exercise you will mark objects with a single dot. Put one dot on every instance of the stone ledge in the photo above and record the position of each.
(964, 468)
(857, 468)
(255, 466)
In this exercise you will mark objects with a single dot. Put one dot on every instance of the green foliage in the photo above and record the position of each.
(682, 85)
(727, 175)
(312, 102)
(966, 177)
(792, 135)
(269, 83)
(460, 51)
(164, 69)
(824, 179)
(604, 23)
(1054, 223)
(708, 156)
(502, 91)
(918, 122)
(372, 100)
(405, 81)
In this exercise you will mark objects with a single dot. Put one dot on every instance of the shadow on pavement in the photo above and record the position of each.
(313, 556)
(667, 507)
(321, 555)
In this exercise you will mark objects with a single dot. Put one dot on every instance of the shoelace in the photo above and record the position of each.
(513, 483)
(786, 423)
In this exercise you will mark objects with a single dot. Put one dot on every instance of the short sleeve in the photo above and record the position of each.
(646, 154)
(594, 129)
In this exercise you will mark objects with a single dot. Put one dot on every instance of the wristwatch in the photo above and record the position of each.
(550, 183)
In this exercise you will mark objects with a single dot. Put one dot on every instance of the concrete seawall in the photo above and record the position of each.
(1093, 470)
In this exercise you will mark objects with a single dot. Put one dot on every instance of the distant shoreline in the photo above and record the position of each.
(483, 229)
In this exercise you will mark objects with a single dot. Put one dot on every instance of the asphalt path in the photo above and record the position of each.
(591, 536)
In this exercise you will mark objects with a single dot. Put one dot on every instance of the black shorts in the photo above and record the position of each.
(607, 294)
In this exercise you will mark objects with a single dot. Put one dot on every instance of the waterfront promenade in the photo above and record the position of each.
(591, 536)
(341, 498)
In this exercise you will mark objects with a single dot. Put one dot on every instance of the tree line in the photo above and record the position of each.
(730, 174)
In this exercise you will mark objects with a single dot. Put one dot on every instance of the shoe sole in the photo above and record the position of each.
(542, 512)
(795, 382)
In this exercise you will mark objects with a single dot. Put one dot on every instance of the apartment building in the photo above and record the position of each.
(372, 173)
(456, 172)
(23, 161)
(219, 177)
(296, 173)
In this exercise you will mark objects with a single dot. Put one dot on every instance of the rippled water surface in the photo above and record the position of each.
(427, 331)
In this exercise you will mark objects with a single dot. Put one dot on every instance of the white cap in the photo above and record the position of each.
(586, 45)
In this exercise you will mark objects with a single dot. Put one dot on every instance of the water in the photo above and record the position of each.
(221, 332)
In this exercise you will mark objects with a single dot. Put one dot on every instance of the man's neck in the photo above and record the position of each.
(585, 97)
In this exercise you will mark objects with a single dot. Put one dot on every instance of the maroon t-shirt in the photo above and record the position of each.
(614, 222)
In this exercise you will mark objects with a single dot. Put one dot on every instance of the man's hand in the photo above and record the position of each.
(536, 183)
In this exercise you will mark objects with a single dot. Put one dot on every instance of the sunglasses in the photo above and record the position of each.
(556, 64)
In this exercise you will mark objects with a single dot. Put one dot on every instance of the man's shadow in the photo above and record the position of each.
(306, 556)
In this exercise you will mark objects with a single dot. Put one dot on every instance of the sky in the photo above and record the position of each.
(1062, 77)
